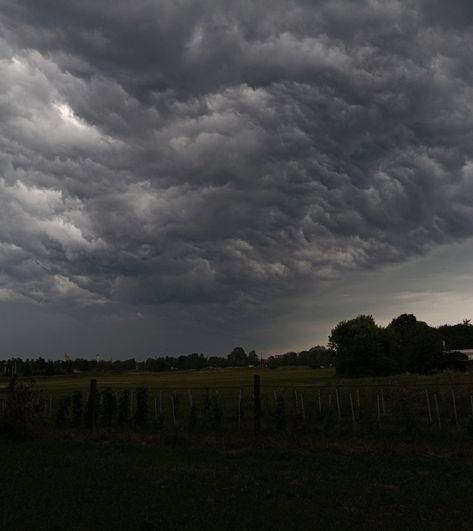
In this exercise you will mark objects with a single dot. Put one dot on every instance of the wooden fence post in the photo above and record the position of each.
(257, 404)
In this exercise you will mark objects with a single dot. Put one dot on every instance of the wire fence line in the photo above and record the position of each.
(433, 406)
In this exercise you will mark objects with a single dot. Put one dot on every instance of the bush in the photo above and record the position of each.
(24, 410)
(123, 407)
(141, 413)
(109, 407)
(193, 417)
(407, 416)
(92, 408)
(217, 414)
(77, 410)
(456, 361)
(279, 412)
(63, 411)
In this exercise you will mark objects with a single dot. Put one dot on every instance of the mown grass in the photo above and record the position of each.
(59, 485)
(237, 378)
(214, 378)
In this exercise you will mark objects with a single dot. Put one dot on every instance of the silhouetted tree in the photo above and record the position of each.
(457, 337)
(359, 344)
(253, 358)
(237, 358)
(418, 347)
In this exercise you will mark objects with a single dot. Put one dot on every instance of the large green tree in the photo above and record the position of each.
(459, 336)
(418, 347)
(237, 357)
(360, 346)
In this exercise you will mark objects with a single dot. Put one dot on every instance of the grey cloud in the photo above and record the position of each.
(226, 154)
(457, 14)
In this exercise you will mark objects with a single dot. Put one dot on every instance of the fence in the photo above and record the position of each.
(256, 408)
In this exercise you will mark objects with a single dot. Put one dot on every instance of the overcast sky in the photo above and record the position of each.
(192, 175)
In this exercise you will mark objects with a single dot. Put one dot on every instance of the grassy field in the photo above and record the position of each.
(290, 377)
(59, 485)
(315, 398)
(175, 380)
(315, 474)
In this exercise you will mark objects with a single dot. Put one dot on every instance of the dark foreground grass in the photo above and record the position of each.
(67, 485)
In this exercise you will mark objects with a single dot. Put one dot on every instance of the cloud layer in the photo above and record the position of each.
(229, 154)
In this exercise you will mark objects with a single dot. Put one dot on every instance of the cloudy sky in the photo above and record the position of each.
(191, 175)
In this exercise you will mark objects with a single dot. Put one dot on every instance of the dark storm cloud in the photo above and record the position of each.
(455, 14)
(227, 152)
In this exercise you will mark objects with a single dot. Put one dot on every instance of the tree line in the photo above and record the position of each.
(356, 347)
(364, 348)
(315, 357)
(238, 357)
(318, 356)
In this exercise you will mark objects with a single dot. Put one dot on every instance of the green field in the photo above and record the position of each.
(310, 401)
(314, 399)
(175, 380)
(236, 378)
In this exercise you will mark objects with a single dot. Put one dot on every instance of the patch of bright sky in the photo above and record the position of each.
(67, 114)
(436, 288)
